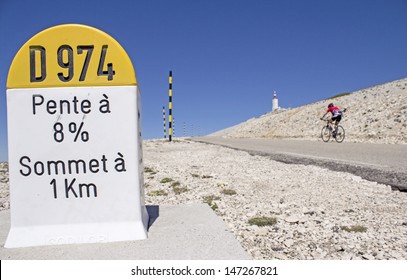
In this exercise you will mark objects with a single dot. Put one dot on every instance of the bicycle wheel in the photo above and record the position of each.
(340, 134)
(325, 134)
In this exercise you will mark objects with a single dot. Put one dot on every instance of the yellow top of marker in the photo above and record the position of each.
(71, 55)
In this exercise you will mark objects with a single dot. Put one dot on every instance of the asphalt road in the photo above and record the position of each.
(382, 163)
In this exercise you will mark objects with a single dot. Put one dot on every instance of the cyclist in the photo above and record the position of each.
(336, 116)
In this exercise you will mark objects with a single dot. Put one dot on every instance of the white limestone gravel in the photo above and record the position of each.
(313, 206)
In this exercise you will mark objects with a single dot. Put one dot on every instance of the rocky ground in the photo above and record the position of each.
(315, 219)
(374, 115)
(4, 187)
(318, 214)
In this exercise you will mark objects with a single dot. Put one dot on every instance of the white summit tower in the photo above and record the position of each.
(274, 105)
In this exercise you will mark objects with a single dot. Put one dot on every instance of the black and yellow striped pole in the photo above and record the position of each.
(165, 129)
(170, 108)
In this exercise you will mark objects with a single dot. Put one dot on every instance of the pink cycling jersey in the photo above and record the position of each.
(335, 111)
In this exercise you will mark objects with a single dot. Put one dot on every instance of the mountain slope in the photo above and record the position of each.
(376, 115)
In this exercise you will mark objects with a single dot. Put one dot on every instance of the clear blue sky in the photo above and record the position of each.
(227, 56)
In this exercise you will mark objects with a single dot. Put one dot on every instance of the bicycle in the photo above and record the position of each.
(329, 130)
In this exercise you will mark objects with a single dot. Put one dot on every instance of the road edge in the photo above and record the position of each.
(393, 179)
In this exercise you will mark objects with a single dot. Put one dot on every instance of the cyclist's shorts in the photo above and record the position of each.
(337, 119)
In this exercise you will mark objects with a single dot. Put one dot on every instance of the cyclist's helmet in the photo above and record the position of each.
(330, 105)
